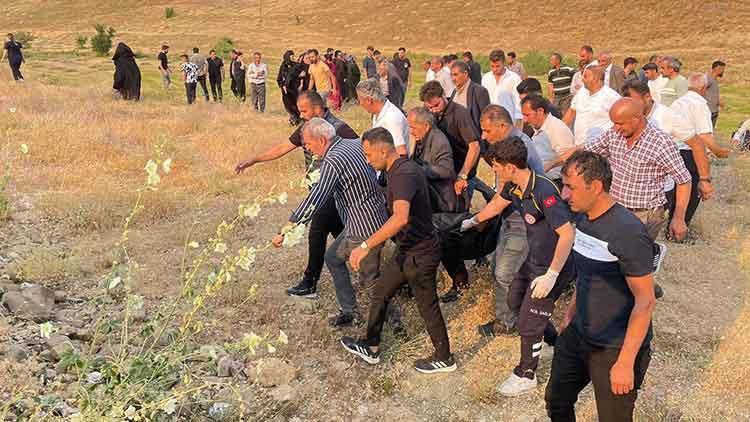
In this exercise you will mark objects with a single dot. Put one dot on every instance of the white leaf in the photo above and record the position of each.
(24, 149)
(12, 109)
(170, 406)
(251, 211)
(271, 349)
(294, 236)
(221, 247)
(114, 282)
(283, 339)
(282, 198)
(194, 245)
(46, 329)
(166, 166)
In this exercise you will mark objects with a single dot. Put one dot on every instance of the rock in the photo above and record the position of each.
(363, 410)
(219, 411)
(110, 350)
(58, 344)
(226, 366)
(82, 334)
(34, 302)
(139, 315)
(250, 371)
(18, 352)
(283, 394)
(168, 337)
(274, 371)
(303, 305)
(71, 317)
(94, 378)
(60, 296)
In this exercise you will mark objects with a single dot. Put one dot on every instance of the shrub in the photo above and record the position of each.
(169, 12)
(81, 41)
(223, 47)
(537, 62)
(101, 43)
(25, 38)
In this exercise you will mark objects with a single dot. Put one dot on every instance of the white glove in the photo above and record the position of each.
(542, 285)
(469, 223)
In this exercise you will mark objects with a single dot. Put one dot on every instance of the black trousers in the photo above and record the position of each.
(216, 88)
(575, 364)
(290, 105)
(190, 92)
(324, 222)
(695, 200)
(15, 69)
(534, 314)
(419, 271)
(202, 81)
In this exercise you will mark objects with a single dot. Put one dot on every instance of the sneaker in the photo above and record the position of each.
(658, 291)
(487, 330)
(343, 319)
(515, 386)
(453, 295)
(361, 349)
(304, 289)
(659, 253)
(434, 365)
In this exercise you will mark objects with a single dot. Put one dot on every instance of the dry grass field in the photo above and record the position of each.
(69, 195)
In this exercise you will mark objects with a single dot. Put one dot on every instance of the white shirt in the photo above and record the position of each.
(560, 139)
(444, 77)
(667, 120)
(694, 109)
(607, 71)
(256, 73)
(393, 120)
(655, 87)
(503, 92)
(592, 113)
(430, 76)
(739, 135)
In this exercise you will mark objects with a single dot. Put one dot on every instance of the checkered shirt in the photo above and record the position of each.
(639, 172)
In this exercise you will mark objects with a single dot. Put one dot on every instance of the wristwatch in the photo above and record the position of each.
(462, 177)
(364, 246)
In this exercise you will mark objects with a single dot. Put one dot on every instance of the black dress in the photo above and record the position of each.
(285, 70)
(15, 58)
(127, 78)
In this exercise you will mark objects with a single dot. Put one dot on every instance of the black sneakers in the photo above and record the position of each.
(343, 319)
(495, 328)
(305, 288)
(360, 349)
(434, 365)
(453, 295)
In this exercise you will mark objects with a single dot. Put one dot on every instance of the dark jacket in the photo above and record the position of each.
(475, 72)
(285, 68)
(396, 90)
(127, 78)
(616, 78)
(477, 98)
(435, 156)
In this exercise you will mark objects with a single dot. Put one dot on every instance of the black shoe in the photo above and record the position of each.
(487, 330)
(453, 295)
(343, 319)
(434, 365)
(360, 349)
(305, 288)
(658, 291)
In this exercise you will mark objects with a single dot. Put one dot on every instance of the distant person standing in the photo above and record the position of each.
(166, 74)
(12, 49)
(190, 77)
(501, 83)
(391, 85)
(127, 78)
(215, 75)
(560, 78)
(654, 80)
(516, 66)
(368, 63)
(237, 74)
(353, 76)
(614, 75)
(712, 89)
(256, 74)
(676, 85)
(285, 68)
(475, 69)
(403, 65)
(321, 77)
(200, 61)
(629, 66)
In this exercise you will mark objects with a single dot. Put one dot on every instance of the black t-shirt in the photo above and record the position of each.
(613, 246)
(214, 67)
(14, 51)
(402, 67)
(407, 182)
(459, 128)
(162, 57)
(543, 212)
(342, 129)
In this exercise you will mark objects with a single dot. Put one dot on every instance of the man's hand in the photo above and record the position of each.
(469, 223)
(678, 229)
(278, 240)
(243, 165)
(356, 257)
(705, 190)
(542, 285)
(460, 186)
(621, 378)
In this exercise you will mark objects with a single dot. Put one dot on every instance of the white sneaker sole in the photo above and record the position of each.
(517, 393)
(368, 359)
(310, 296)
(437, 370)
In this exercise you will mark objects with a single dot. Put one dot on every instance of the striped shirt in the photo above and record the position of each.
(345, 174)
(561, 79)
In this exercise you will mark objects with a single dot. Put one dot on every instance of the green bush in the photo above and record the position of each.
(25, 38)
(81, 41)
(101, 43)
(223, 47)
(537, 62)
(169, 12)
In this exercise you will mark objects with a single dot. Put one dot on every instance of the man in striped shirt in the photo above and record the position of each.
(345, 175)
(559, 78)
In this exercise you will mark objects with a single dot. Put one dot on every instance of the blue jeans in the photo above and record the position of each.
(510, 253)
(336, 259)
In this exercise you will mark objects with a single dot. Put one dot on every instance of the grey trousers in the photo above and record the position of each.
(510, 253)
(258, 97)
(336, 258)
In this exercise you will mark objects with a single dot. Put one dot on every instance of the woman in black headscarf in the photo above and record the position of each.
(287, 63)
(297, 81)
(127, 74)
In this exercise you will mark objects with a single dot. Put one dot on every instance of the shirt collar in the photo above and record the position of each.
(335, 141)
(529, 188)
(383, 110)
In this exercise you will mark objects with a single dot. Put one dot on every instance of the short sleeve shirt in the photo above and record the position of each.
(14, 51)
(592, 112)
(162, 57)
(607, 249)
(191, 72)
(694, 109)
(407, 182)
(459, 128)
(214, 67)
(402, 67)
(543, 211)
(392, 119)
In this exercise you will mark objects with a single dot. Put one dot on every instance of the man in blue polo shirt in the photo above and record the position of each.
(608, 332)
(547, 269)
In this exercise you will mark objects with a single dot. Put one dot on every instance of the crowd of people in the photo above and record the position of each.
(584, 183)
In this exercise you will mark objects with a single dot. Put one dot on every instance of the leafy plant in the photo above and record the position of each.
(25, 38)
(223, 47)
(81, 41)
(169, 12)
(101, 43)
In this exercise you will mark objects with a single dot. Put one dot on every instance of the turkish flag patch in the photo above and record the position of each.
(550, 201)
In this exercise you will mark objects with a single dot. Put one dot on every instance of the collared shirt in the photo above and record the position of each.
(429, 76)
(444, 77)
(456, 123)
(393, 119)
(712, 93)
(558, 137)
(607, 71)
(460, 95)
(191, 72)
(256, 73)
(561, 80)
(592, 112)
(694, 109)
(672, 123)
(342, 129)
(384, 85)
(639, 172)
(655, 86)
(503, 92)
(673, 89)
(517, 68)
(345, 174)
